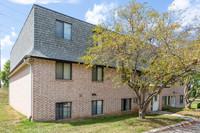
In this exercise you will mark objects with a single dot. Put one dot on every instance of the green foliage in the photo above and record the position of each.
(147, 48)
(195, 80)
(172, 109)
(4, 73)
(198, 105)
(140, 38)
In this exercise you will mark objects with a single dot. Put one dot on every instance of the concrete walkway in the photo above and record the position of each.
(193, 125)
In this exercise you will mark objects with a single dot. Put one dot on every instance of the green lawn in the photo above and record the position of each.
(194, 104)
(3, 96)
(193, 112)
(12, 121)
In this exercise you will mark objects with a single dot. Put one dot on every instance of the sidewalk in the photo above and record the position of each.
(191, 125)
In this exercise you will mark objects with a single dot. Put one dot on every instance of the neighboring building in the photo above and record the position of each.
(46, 81)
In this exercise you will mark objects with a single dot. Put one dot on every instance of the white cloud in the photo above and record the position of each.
(6, 41)
(179, 4)
(12, 28)
(191, 10)
(99, 13)
(13, 34)
(27, 2)
(73, 1)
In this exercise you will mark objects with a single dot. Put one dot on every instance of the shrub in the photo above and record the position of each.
(198, 105)
(165, 108)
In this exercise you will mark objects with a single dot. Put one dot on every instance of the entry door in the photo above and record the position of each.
(173, 101)
(155, 102)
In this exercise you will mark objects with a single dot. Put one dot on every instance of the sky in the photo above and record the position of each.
(13, 14)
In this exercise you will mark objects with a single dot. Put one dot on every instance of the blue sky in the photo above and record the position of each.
(13, 13)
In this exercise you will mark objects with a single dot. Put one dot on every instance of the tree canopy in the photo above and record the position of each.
(192, 89)
(4, 73)
(148, 49)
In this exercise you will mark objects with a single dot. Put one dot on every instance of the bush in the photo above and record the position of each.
(165, 108)
(198, 105)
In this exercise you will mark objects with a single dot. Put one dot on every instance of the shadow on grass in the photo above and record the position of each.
(173, 109)
(176, 110)
(109, 119)
(155, 121)
(95, 120)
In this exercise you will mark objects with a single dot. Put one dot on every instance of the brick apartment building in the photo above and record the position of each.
(47, 83)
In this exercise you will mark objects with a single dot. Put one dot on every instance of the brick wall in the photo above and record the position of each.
(20, 90)
(47, 91)
(173, 91)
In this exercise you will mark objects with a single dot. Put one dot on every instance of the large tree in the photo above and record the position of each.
(192, 89)
(4, 73)
(149, 50)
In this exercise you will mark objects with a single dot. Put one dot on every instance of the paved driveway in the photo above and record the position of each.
(188, 129)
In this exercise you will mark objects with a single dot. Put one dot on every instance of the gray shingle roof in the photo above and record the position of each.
(38, 37)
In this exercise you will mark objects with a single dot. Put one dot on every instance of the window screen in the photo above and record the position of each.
(63, 30)
(181, 99)
(97, 107)
(126, 104)
(67, 31)
(97, 73)
(63, 70)
(59, 69)
(59, 29)
(63, 110)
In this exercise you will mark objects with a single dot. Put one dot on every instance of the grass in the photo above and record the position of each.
(3, 96)
(12, 121)
(183, 111)
(194, 104)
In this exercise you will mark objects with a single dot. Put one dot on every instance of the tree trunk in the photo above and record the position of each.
(188, 105)
(142, 114)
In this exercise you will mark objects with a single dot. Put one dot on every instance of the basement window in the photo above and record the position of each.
(126, 104)
(63, 110)
(97, 107)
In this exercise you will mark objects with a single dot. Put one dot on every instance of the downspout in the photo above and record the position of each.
(31, 88)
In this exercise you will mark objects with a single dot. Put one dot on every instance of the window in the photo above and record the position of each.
(97, 73)
(97, 36)
(63, 110)
(181, 99)
(126, 104)
(135, 100)
(166, 100)
(63, 70)
(97, 107)
(63, 30)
